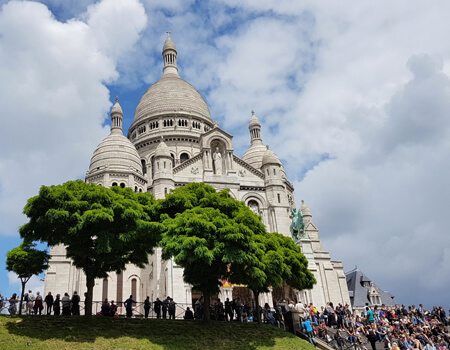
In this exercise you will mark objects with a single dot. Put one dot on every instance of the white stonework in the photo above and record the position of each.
(171, 143)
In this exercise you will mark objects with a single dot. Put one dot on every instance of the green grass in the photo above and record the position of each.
(49, 332)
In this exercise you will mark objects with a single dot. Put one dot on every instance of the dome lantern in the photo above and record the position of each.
(116, 118)
(169, 53)
(255, 130)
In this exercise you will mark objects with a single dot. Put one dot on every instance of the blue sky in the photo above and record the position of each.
(352, 96)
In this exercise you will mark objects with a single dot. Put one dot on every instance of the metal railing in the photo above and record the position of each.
(137, 310)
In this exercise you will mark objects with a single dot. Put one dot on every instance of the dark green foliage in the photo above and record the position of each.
(102, 229)
(213, 236)
(26, 261)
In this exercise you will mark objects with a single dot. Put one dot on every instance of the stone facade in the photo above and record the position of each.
(174, 141)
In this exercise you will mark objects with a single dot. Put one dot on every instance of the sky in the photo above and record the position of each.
(353, 96)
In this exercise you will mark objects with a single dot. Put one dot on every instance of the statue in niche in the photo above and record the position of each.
(217, 157)
(297, 226)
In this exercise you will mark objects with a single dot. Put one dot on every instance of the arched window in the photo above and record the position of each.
(122, 185)
(184, 157)
(274, 172)
(135, 189)
(114, 184)
(140, 190)
(279, 198)
(165, 190)
(173, 160)
(144, 168)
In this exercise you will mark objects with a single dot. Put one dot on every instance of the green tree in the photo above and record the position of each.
(102, 229)
(26, 261)
(276, 259)
(206, 232)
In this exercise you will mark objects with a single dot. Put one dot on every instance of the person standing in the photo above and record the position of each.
(49, 302)
(157, 307)
(113, 309)
(171, 309)
(372, 335)
(106, 308)
(165, 305)
(38, 304)
(29, 298)
(56, 306)
(147, 304)
(12, 304)
(229, 310)
(129, 306)
(75, 304)
(65, 301)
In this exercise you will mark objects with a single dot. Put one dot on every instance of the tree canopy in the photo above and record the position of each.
(213, 237)
(26, 261)
(103, 229)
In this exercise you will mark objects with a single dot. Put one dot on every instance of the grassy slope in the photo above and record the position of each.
(43, 332)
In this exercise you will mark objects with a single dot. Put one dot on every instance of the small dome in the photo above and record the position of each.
(169, 44)
(116, 108)
(270, 158)
(254, 155)
(116, 153)
(162, 150)
(254, 122)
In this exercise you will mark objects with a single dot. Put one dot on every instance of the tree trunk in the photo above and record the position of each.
(21, 297)
(207, 307)
(258, 309)
(90, 282)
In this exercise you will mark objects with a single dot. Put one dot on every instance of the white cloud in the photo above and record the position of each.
(35, 283)
(353, 97)
(52, 93)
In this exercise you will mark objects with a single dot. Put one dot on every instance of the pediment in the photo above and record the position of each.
(242, 165)
(216, 134)
(311, 227)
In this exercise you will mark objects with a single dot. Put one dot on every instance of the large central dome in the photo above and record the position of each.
(171, 94)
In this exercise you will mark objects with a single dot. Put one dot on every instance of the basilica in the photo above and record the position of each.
(173, 141)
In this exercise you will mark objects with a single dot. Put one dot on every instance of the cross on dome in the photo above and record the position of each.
(168, 33)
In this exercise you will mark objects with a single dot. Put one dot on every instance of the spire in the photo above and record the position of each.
(306, 212)
(169, 53)
(116, 118)
(255, 130)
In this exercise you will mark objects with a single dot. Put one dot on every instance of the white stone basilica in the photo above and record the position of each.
(174, 141)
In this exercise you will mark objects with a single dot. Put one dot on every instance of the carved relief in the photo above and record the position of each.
(242, 172)
(194, 170)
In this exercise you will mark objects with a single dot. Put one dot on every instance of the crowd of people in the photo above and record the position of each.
(34, 304)
(397, 328)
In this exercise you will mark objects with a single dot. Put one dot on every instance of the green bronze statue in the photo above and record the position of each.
(297, 226)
